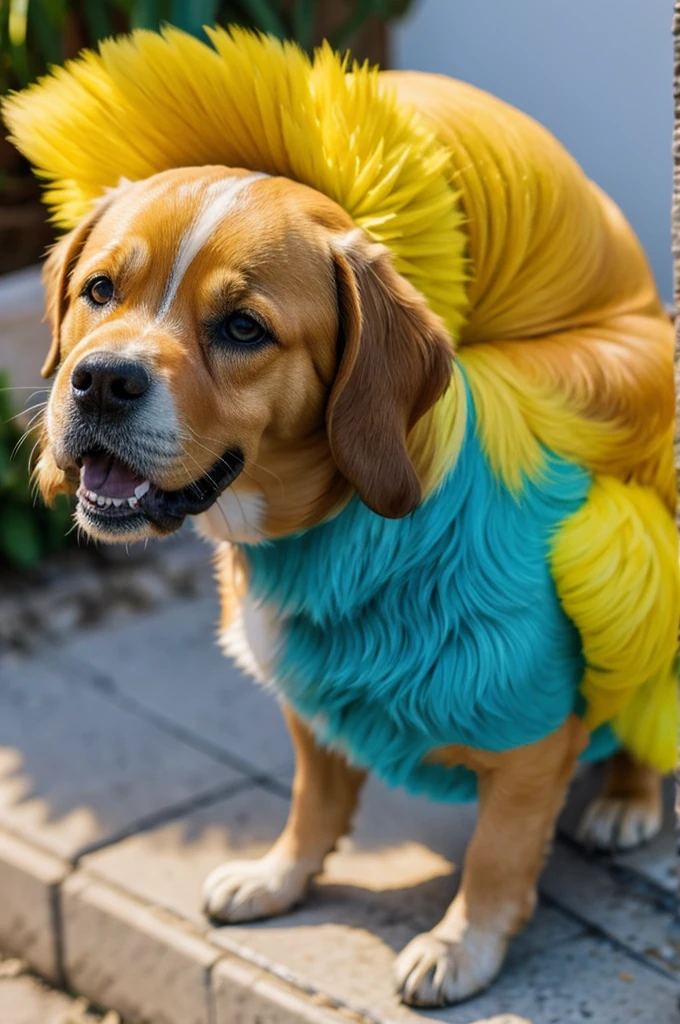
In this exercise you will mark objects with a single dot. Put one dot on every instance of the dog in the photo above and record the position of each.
(462, 582)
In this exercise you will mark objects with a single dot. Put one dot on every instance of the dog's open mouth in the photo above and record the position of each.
(118, 497)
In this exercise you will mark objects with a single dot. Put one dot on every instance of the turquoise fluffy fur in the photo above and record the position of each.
(444, 627)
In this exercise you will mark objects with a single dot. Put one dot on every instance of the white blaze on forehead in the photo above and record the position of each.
(220, 196)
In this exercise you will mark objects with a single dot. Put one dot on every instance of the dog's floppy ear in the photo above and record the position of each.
(57, 270)
(396, 359)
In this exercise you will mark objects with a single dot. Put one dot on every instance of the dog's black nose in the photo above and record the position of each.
(106, 384)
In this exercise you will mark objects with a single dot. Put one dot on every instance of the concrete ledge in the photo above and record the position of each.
(242, 994)
(139, 960)
(152, 966)
(29, 883)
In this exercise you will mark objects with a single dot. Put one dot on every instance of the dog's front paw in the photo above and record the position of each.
(435, 971)
(243, 890)
(620, 823)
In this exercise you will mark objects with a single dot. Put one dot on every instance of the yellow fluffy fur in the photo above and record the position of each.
(150, 102)
(623, 534)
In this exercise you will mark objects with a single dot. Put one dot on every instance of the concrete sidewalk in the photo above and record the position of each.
(25, 999)
(135, 759)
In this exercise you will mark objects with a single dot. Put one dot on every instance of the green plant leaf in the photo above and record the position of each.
(28, 530)
(5, 401)
(192, 15)
(58, 522)
(45, 31)
(98, 19)
(17, 27)
(303, 23)
(264, 16)
(19, 537)
(18, 22)
(54, 11)
(145, 14)
(4, 466)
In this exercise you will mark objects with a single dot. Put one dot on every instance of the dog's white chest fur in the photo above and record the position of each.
(252, 639)
(236, 517)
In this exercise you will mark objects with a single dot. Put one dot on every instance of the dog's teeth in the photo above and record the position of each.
(118, 502)
(92, 496)
(101, 501)
(141, 489)
(132, 502)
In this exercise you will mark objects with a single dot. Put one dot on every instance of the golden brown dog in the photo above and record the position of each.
(230, 347)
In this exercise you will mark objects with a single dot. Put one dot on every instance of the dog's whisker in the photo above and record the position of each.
(263, 469)
(221, 510)
(30, 429)
(38, 405)
(24, 412)
(17, 446)
(35, 391)
(32, 453)
(200, 468)
(35, 419)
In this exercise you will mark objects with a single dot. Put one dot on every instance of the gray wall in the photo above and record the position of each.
(597, 73)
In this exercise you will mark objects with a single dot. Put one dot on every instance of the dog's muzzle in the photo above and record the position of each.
(117, 439)
(116, 498)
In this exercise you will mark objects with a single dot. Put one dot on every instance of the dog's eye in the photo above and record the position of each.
(242, 329)
(99, 290)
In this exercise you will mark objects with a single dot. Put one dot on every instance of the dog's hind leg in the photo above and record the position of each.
(325, 794)
(521, 793)
(628, 812)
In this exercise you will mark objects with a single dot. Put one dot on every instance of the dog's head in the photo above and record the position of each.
(229, 345)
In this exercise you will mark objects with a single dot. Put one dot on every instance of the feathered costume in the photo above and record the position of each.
(540, 574)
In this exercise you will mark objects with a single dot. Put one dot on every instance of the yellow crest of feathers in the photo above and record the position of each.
(150, 102)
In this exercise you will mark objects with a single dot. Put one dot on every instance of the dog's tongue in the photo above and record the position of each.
(107, 476)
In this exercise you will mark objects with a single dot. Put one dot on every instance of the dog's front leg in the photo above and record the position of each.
(325, 794)
(521, 793)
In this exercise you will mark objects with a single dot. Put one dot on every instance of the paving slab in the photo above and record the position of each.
(583, 980)
(121, 754)
(75, 770)
(399, 844)
(171, 665)
(392, 879)
(24, 1000)
(342, 943)
(244, 994)
(638, 917)
(29, 893)
(657, 862)
(165, 866)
